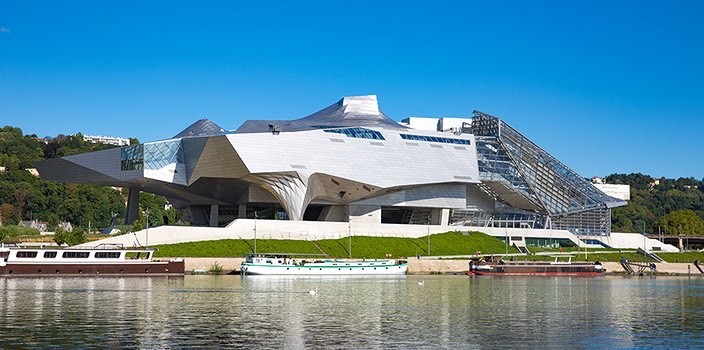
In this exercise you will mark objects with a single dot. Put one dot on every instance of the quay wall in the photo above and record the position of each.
(434, 266)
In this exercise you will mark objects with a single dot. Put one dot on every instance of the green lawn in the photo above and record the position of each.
(445, 244)
(688, 257)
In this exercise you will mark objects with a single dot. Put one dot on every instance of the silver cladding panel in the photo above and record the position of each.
(106, 162)
(362, 160)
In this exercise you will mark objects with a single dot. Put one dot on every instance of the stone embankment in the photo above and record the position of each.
(433, 266)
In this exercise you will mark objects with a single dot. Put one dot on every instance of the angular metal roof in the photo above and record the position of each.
(203, 127)
(349, 111)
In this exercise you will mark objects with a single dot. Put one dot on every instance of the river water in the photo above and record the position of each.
(406, 312)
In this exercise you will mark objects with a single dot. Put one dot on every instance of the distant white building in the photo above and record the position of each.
(622, 192)
(40, 226)
(421, 123)
(108, 140)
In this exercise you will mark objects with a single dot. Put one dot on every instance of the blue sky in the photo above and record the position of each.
(604, 86)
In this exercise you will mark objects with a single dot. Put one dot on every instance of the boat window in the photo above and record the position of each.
(81, 255)
(137, 255)
(107, 255)
(49, 255)
(26, 254)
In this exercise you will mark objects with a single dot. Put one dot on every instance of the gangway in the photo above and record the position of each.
(696, 264)
(650, 254)
(521, 248)
(640, 268)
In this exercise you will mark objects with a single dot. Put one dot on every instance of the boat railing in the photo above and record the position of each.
(288, 255)
(557, 260)
(99, 246)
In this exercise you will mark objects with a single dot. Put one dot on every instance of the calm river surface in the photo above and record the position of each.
(408, 312)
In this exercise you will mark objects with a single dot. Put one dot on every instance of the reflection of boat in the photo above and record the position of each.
(284, 265)
(103, 260)
(535, 268)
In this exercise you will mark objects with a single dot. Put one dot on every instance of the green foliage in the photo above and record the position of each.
(216, 269)
(8, 232)
(25, 197)
(77, 236)
(682, 221)
(18, 151)
(659, 206)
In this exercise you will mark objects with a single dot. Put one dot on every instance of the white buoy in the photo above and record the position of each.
(313, 291)
(421, 283)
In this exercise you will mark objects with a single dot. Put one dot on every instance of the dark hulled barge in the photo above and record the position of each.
(557, 267)
(80, 261)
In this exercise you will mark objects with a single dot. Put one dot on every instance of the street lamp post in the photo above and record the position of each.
(645, 247)
(147, 229)
(428, 236)
(349, 237)
(255, 232)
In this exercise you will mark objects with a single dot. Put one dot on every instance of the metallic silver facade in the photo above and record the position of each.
(348, 161)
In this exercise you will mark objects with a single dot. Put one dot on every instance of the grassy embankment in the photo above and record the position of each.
(444, 244)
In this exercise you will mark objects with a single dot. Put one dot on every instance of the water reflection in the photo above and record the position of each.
(351, 312)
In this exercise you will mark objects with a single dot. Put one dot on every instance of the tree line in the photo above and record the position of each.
(669, 206)
(24, 196)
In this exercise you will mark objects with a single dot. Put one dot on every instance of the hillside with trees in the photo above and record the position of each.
(660, 205)
(671, 206)
(24, 196)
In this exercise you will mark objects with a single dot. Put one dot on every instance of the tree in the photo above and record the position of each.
(683, 221)
(9, 214)
(77, 236)
(60, 236)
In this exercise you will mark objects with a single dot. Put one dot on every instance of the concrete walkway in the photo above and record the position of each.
(438, 266)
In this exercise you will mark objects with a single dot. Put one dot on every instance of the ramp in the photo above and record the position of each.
(638, 268)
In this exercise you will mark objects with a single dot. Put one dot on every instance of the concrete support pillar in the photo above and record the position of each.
(132, 211)
(214, 215)
(242, 213)
(445, 217)
(681, 244)
(439, 216)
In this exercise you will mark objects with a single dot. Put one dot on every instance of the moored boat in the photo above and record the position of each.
(535, 268)
(270, 264)
(78, 261)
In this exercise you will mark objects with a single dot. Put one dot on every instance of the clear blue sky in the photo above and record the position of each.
(605, 86)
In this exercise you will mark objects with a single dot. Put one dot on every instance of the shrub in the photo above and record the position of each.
(216, 269)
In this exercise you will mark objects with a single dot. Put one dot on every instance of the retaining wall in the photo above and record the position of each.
(437, 266)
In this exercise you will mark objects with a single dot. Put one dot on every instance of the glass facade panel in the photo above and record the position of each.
(434, 139)
(562, 198)
(160, 154)
(361, 133)
(132, 158)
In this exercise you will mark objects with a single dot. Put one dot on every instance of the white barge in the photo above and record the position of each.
(284, 265)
